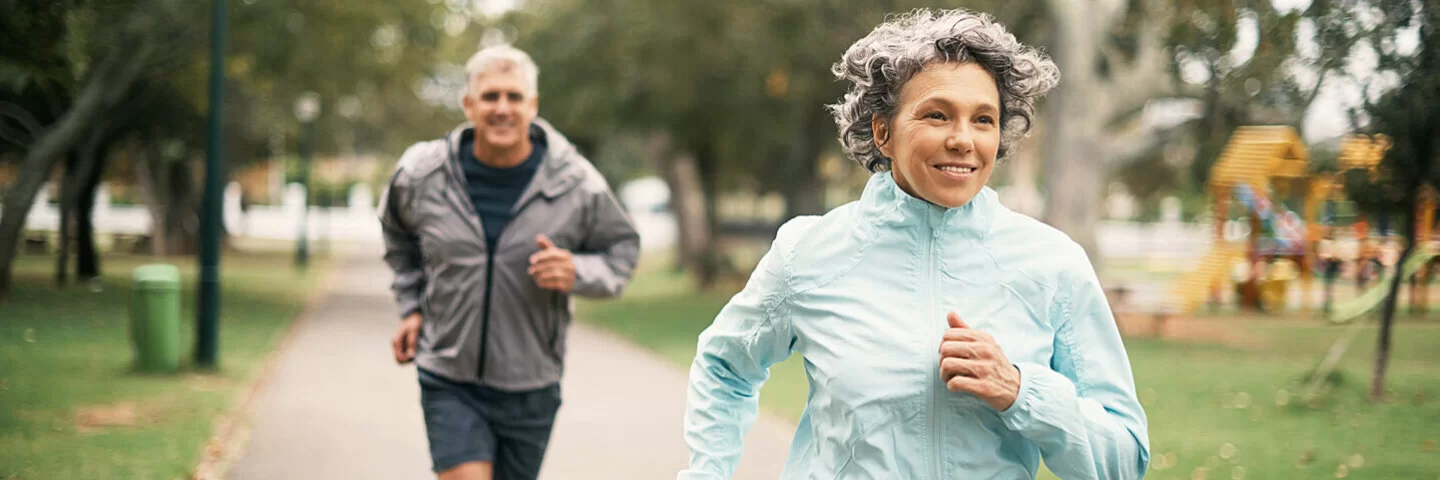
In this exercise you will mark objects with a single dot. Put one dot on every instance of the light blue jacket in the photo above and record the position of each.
(862, 293)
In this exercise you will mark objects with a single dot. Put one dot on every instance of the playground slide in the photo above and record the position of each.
(1288, 226)
(1193, 288)
(1373, 297)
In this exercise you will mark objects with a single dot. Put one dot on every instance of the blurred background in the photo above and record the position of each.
(1253, 180)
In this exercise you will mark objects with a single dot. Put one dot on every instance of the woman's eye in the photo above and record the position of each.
(986, 119)
(935, 116)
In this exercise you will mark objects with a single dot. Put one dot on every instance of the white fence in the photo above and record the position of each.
(357, 222)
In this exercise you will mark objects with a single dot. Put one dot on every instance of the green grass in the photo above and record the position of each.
(1199, 397)
(71, 404)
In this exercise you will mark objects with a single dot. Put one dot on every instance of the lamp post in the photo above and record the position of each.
(207, 331)
(307, 108)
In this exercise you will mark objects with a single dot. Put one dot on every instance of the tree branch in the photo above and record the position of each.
(21, 116)
(1319, 82)
(1133, 84)
(1142, 141)
(14, 136)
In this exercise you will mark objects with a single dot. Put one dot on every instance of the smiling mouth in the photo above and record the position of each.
(955, 169)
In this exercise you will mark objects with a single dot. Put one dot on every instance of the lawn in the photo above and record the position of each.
(1216, 411)
(71, 405)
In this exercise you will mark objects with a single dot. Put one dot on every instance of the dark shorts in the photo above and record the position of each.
(473, 423)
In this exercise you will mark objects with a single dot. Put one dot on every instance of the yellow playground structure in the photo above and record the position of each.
(1260, 167)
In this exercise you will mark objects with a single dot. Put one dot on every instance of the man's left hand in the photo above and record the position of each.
(553, 268)
(971, 361)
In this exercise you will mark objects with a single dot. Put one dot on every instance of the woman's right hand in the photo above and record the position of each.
(403, 345)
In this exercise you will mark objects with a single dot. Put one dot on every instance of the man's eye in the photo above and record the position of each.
(515, 97)
(490, 96)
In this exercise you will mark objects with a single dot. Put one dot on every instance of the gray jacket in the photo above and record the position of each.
(485, 319)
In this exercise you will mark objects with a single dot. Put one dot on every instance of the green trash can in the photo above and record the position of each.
(155, 318)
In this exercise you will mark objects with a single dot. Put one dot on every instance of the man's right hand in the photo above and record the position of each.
(404, 342)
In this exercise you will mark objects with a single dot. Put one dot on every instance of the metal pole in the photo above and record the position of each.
(302, 247)
(207, 342)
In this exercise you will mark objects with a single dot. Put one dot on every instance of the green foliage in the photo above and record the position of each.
(366, 57)
(1405, 114)
(739, 80)
(1259, 86)
(70, 406)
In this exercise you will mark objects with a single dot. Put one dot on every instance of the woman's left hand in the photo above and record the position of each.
(971, 361)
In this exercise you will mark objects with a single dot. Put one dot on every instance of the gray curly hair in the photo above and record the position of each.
(878, 65)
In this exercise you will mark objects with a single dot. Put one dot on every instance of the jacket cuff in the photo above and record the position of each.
(408, 305)
(405, 313)
(591, 273)
(1038, 384)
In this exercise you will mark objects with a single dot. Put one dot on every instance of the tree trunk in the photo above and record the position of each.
(1073, 158)
(687, 201)
(87, 258)
(112, 78)
(150, 180)
(77, 199)
(182, 209)
(1080, 147)
(168, 189)
(68, 179)
(707, 165)
(804, 189)
(1387, 312)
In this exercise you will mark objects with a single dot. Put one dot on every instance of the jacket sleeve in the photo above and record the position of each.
(732, 361)
(402, 249)
(1082, 409)
(607, 255)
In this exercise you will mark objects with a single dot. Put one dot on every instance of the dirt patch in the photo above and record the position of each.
(99, 417)
(1187, 329)
(126, 414)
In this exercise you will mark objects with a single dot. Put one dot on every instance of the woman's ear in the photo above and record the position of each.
(881, 129)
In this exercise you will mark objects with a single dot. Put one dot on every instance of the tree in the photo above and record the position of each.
(1104, 82)
(1116, 57)
(128, 45)
(723, 95)
(79, 80)
(1274, 82)
(1407, 115)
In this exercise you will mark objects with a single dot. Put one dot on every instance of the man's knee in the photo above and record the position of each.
(469, 471)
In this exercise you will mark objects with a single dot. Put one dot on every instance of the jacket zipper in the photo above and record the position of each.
(458, 182)
(485, 311)
(935, 365)
(554, 320)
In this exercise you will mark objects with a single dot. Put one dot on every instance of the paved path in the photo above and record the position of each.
(337, 407)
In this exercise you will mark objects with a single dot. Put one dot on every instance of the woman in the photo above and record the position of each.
(944, 336)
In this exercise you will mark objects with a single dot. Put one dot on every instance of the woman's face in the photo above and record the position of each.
(945, 134)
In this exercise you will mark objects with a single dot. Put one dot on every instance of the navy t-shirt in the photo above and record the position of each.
(494, 191)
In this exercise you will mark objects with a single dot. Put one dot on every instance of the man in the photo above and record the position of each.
(490, 230)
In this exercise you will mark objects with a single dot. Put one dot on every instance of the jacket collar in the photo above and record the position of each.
(558, 173)
(886, 205)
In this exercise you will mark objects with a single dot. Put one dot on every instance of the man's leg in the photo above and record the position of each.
(462, 446)
(468, 471)
(523, 435)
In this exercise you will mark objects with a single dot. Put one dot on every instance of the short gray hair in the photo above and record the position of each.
(505, 55)
(878, 65)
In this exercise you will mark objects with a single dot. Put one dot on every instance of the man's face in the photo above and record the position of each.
(501, 106)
